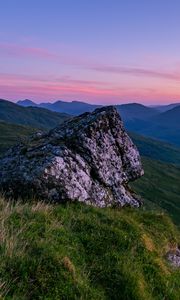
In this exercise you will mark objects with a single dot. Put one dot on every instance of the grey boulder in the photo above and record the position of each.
(89, 158)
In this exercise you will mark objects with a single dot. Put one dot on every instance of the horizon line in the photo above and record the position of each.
(90, 103)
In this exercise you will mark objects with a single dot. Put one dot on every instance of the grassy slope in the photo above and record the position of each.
(10, 134)
(80, 252)
(160, 185)
(156, 149)
(30, 116)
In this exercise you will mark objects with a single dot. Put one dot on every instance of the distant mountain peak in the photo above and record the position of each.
(26, 102)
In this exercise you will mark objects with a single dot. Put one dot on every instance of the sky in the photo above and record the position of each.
(98, 51)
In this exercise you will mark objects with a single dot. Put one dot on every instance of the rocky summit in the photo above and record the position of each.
(89, 158)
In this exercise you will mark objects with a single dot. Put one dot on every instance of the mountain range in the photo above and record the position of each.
(29, 116)
(163, 108)
(72, 108)
(160, 122)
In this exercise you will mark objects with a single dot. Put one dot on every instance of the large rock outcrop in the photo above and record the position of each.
(89, 158)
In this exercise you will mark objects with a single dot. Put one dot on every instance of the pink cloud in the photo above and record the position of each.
(47, 87)
(53, 91)
(17, 50)
(12, 85)
(61, 57)
(66, 59)
(13, 79)
(137, 72)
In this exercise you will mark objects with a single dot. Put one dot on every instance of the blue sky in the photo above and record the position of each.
(97, 51)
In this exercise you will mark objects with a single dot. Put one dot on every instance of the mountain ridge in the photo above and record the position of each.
(30, 116)
(141, 119)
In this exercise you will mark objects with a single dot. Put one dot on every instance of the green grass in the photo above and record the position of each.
(11, 134)
(160, 186)
(80, 252)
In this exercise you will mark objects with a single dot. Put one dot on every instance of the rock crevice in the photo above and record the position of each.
(89, 158)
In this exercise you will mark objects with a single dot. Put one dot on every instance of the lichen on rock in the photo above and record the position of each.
(89, 158)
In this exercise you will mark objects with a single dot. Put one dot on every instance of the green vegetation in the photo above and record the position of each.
(30, 116)
(11, 134)
(156, 149)
(160, 185)
(80, 252)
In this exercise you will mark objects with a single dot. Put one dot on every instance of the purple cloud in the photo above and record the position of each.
(137, 72)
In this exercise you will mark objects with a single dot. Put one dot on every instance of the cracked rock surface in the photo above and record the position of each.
(89, 158)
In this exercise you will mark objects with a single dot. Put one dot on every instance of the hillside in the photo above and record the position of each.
(136, 111)
(10, 134)
(165, 126)
(156, 149)
(72, 108)
(169, 117)
(26, 103)
(128, 112)
(163, 108)
(80, 252)
(160, 123)
(160, 186)
(29, 116)
(163, 133)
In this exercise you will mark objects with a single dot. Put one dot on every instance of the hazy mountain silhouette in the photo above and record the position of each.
(26, 103)
(163, 108)
(31, 116)
(72, 108)
(160, 122)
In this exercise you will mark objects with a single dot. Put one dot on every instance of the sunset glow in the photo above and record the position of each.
(115, 54)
